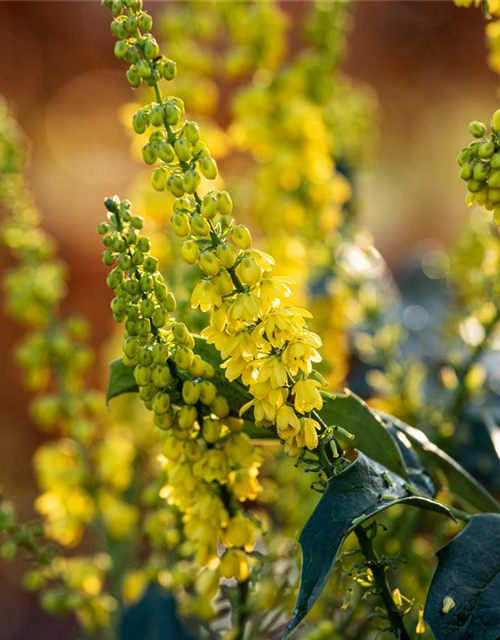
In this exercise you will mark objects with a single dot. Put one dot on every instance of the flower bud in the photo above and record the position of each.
(165, 152)
(200, 226)
(249, 271)
(187, 416)
(180, 224)
(192, 132)
(209, 263)
(241, 237)
(190, 392)
(191, 181)
(209, 206)
(208, 392)
(175, 185)
(211, 430)
(159, 179)
(190, 251)
(220, 407)
(161, 403)
(478, 129)
(182, 149)
(169, 69)
(224, 203)
(208, 167)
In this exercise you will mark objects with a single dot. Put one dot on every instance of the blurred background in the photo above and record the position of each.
(425, 63)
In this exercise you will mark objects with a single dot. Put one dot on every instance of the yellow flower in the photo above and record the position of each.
(212, 466)
(205, 296)
(309, 435)
(234, 564)
(272, 291)
(299, 354)
(307, 396)
(245, 483)
(245, 309)
(287, 422)
(240, 532)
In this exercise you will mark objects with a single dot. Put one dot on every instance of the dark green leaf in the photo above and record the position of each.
(121, 380)
(154, 617)
(362, 491)
(468, 581)
(460, 482)
(371, 436)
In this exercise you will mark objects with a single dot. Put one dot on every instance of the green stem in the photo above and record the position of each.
(378, 569)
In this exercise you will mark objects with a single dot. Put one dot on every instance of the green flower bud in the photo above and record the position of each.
(249, 271)
(145, 358)
(132, 287)
(157, 115)
(192, 132)
(196, 367)
(464, 156)
(144, 244)
(208, 392)
(182, 149)
(474, 186)
(200, 226)
(190, 392)
(160, 317)
(477, 129)
(147, 283)
(118, 29)
(142, 375)
(134, 78)
(224, 203)
(191, 181)
(161, 291)
(131, 328)
(220, 407)
(494, 179)
(133, 311)
(133, 56)
(149, 153)
(165, 152)
(209, 206)
(102, 228)
(172, 113)
(144, 69)
(151, 49)
(208, 167)
(121, 49)
(164, 421)
(183, 357)
(486, 150)
(169, 69)
(161, 403)
(137, 258)
(159, 179)
(175, 185)
(137, 222)
(147, 307)
(227, 255)
(481, 171)
(145, 22)
(169, 303)
(144, 327)
(494, 195)
(148, 392)
(211, 430)
(190, 251)
(241, 237)
(466, 172)
(139, 122)
(187, 417)
(131, 24)
(108, 258)
(131, 347)
(124, 261)
(160, 354)
(114, 279)
(495, 121)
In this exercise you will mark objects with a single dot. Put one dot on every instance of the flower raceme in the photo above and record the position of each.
(262, 340)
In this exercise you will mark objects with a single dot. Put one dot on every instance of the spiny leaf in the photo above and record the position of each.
(463, 601)
(121, 380)
(363, 490)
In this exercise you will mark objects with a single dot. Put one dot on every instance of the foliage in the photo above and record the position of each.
(232, 376)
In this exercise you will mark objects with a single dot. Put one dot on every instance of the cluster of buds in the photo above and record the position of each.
(480, 166)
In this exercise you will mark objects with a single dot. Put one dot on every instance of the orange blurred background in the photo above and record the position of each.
(426, 62)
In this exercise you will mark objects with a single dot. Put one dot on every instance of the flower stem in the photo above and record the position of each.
(378, 569)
